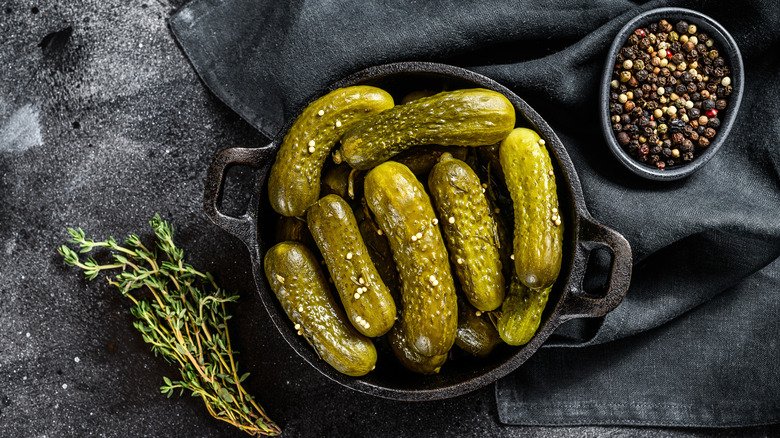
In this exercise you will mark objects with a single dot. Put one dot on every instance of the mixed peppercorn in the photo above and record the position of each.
(669, 89)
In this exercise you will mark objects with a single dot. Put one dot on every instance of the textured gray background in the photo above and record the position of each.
(101, 126)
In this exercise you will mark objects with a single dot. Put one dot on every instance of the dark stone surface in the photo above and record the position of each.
(103, 123)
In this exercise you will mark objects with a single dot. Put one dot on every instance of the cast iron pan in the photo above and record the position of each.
(460, 374)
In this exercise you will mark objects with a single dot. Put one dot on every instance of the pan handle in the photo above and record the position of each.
(244, 226)
(593, 236)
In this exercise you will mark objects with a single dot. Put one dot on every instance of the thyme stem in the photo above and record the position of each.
(186, 324)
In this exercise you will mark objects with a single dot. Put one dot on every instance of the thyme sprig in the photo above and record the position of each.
(183, 317)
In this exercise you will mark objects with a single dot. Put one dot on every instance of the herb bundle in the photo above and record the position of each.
(184, 318)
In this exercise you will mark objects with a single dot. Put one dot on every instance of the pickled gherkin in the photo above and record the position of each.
(294, 181)
(404, 213)
(300, 286)
(538, 227)
(476, 333)
(521, 313)
(410, 358)
(467, 117)
(469, 230)
(366, 299)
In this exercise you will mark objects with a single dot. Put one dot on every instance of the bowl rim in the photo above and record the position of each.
(728, 46)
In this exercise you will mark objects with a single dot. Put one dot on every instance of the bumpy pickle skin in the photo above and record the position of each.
(466, 117)
(404, 213)
(538, 228)
(521, 313)
(300, 286)
(294, 181)
(411, 359)
(366, 300)
(476, 333)
(469, 231)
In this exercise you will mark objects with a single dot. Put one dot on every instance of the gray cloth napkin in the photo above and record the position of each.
(695, 341)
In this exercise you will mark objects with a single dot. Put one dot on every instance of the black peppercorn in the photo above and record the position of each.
(655, 148)
(719, 62)
(616, 108)
(718, 72)
(681, 27)
(694, 136)
(703, 142)
(666, 144)
(680, 89)
(617, 127)
(676, 125)
(677, 58)
(690, 87)
(666, 151)
(623, 138)
(721, 104)
(633, 39)
(677, 138)
(653, 159)
(710, 132)
(695, 96)
(643, 149)
(686, 77)
(714, 123)
(687, 145)
(653, 139)
(641, 75)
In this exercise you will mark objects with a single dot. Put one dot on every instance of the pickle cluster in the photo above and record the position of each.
(394, 232)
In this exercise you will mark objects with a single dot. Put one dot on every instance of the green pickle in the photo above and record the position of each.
(366, 300)
(476, 333)
(411, 359)
(469, 230)
(404, 213)
(467, 117)
(521, 313)
(300, 286)
(538, 230)
(294, 181)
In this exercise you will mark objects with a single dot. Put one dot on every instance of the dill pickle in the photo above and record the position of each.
(469, 230)
(294, 181)
(366, 299)
(404, 213)
(521, 312)
(476, 333)
(538, 230)
(378, 249)
(411, 359)
(467, 117)
(300, 286)
(420, 160)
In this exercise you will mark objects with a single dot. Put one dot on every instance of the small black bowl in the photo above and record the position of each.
(727, 48)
